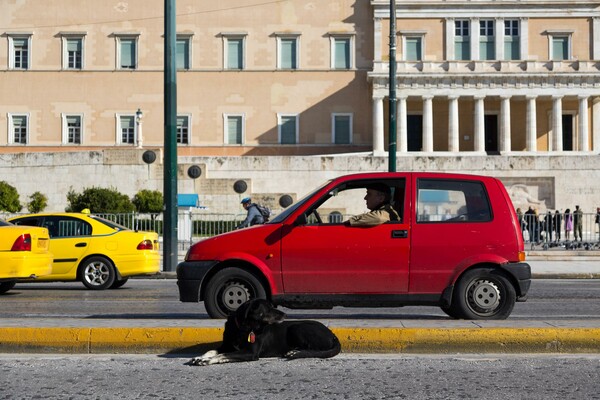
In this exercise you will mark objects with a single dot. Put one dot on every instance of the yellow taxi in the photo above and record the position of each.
(99, 253)
(23, 254)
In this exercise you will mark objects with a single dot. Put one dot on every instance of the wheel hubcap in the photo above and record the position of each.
(234, 295)
(97, 273)
(484, 296)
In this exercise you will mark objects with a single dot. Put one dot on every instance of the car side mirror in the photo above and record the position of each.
(301, 220)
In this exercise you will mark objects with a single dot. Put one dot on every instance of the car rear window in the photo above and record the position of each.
(448, 201)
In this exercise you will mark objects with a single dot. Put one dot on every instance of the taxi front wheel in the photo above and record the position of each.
(97, 273)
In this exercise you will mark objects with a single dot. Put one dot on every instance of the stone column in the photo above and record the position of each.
(505, 139)
(474, 38)
(479, 123)
(428, 124)
(378, 130)
(499, 38)
(557, 137)
(596, 124)
(524, 32)
(531, 121)
(450, 39)
(453, 138)
(583, 124)
(596, 37)
(402, 131)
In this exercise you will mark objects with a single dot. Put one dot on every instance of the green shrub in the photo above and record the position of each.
(37, 202)
(148, 201)
(99, 200)
(9, 198)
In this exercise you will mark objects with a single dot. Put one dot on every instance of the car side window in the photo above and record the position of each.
(62, 227)
(447, 201)
(28, 221)
(348, 200)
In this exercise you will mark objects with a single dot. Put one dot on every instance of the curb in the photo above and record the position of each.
(354, 340)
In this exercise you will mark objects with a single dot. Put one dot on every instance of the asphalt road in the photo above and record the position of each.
(356, 376)
(156, 301)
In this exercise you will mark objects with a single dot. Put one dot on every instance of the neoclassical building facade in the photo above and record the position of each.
(298, 90)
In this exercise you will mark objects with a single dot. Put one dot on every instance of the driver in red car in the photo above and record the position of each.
(378, 202)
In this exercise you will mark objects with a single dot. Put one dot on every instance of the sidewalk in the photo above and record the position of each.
(365, 335)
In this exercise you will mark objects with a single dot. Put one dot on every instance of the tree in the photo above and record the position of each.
(148, 201)
(99, 200)
(37, 202)
(9, 198)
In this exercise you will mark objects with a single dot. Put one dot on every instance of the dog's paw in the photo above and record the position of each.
(292, 354)
(199, 361)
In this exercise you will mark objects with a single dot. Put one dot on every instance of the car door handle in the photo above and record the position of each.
(81, 244)
(399, 234)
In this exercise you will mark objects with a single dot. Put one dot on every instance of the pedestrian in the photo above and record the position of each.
(578, 223)
(557, 224)
(549, 226)
(522, 222)
(568, 224)
(598, 221)
(532, 224)
(254, 215)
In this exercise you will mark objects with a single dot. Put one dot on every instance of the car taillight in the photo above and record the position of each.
(145, 245)
(23, 243)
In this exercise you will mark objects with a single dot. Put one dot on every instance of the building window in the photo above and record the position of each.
(18, 129)
(462, 42)
(342, 52)
(183, 129)
(512, 40)
(288, 128)
(73, 51)
(126, 129)
(183, 51)
(19, 48)
(72, 129)
(487, 43)
(287, 51)
(234, 129)
(342, 128)
(560, 47)
(127, 52)
(233, 50)
(412, 45)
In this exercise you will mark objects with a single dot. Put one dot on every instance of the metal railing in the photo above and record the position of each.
(551, 230)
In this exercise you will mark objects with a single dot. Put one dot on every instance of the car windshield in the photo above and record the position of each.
(285, 213)
(110, 224)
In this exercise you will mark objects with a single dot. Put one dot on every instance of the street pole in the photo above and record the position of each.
(170, 140)
(392, 90)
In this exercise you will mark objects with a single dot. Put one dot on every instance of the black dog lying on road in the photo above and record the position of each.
(255, 330)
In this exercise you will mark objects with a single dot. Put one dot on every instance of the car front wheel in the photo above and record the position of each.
(483, 293)
(230, 288)
(97, 273)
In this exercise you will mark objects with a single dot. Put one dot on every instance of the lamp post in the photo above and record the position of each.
(138, 121)
(392, 92)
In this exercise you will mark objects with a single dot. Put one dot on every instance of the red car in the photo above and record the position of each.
(455, 244)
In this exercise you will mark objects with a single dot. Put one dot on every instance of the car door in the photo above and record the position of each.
(69, 241)
(326, 256)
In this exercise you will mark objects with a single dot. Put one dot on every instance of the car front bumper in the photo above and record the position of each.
(190, 275)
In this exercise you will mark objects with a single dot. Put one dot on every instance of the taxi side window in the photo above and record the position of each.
(444, 201)
(68, 227)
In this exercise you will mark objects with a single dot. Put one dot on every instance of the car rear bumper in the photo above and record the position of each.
(139, 264)
(521, 272)
(25, 265)
(190, 275)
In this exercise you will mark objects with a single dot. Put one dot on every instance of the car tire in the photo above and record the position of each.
(118, 283)
(451, 312)
(230, 288)
(483, 293)
(97, 273)
(6, 286)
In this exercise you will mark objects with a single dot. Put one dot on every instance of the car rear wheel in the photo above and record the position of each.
(6, 286)
(483, 293)
(118, 283)
(230, 288)
(97, 273)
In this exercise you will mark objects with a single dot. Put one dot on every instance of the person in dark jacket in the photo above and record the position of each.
(253, 217)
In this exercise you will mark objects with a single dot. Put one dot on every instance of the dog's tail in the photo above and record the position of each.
(332, 352)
